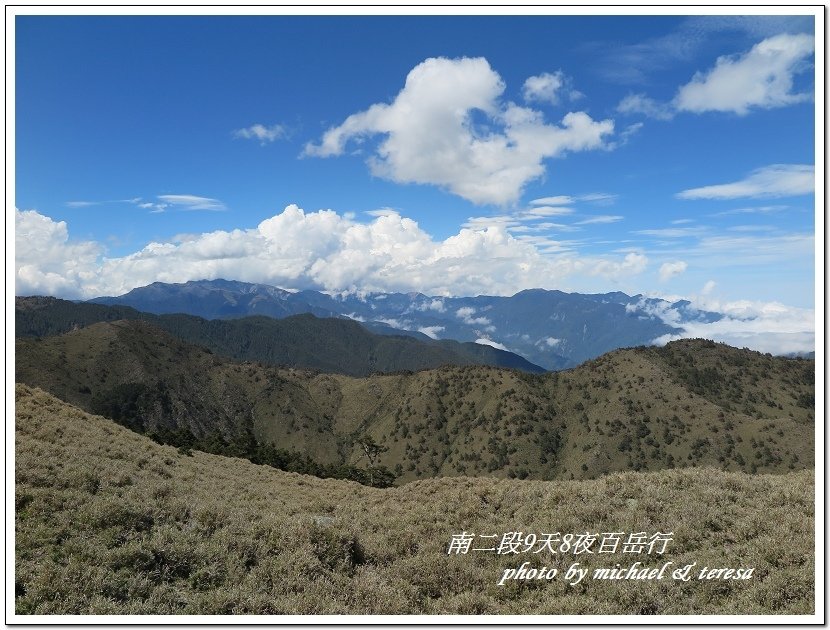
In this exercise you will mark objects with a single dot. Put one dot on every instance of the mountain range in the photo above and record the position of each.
(551, 329)
(327, 344)
(691, 403)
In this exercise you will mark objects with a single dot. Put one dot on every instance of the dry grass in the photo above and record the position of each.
(109, 522)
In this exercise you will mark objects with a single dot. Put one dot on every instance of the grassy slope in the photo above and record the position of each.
(109, 522)
(692, 403)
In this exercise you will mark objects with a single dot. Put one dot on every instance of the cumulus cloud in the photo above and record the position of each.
(761, 78)
(316, 250)
(430, 135)
(46, 262)
(708, 287)
(671, 269)
(262, 133)
(777, 180)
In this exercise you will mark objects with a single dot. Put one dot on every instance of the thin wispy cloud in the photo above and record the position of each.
(645, 105)
(751, 210)
(633, 64)
(673, 232)
(193, 202)
(751, 228)
(777, 180)
(86, 204)
(547, 211)
(565, 200)
(605, 218)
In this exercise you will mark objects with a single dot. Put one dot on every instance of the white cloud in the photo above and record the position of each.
(46, 262)
(192, 202)
(394, 323)
(436, 305)
(262, 133)
(633, 263)
(465, 314)
(708, 287)
(761, 78)
(314, 250)
(431, 331)
(543, 88)
(777, 180)
(489, 342)
(671, 269)
(642, 104)
(763, 326)
(550, 342)
(382, 212)
(429, 136)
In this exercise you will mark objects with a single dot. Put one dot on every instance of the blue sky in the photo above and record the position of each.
(670, 156)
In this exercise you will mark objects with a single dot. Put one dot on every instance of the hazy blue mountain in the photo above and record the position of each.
(553, 329)
(332, 344)
(217, 299)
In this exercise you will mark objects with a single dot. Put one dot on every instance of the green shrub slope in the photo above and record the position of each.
(693, 403)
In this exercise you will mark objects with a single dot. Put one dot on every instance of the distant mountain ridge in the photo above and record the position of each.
(552, 329)
(330, 344)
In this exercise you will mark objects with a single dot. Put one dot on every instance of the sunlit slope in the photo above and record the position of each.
(109, 522)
